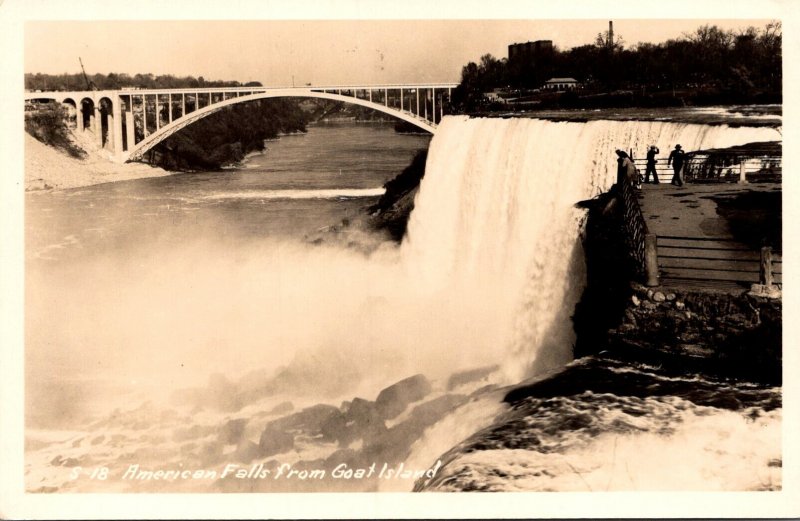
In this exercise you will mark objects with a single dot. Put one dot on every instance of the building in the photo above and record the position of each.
(529, 51)
(561, 84)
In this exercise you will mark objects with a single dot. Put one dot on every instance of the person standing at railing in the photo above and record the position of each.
(626, 168)
(677, 157)
(651, 165)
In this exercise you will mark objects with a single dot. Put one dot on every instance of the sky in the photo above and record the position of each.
(320, 52)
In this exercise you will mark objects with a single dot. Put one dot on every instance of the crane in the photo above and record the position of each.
(89, 84)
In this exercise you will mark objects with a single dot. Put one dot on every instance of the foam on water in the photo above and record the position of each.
(300, 194)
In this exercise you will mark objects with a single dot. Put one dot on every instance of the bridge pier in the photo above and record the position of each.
(79, 115)
(97, 124)
(433, 112)
(129, 127)
(116, 125)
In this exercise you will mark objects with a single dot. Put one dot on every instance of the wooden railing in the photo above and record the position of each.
(718, 259)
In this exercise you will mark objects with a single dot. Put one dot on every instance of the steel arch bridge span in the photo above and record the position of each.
(136, 152)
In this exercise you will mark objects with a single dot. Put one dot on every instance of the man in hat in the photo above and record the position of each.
(677, 157)
(651, 165)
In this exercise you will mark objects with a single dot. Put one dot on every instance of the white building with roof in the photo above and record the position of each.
(561, 84)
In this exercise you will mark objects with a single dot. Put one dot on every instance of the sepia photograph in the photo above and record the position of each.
(259, 256)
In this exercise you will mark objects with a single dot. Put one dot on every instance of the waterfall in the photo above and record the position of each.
(495, 219)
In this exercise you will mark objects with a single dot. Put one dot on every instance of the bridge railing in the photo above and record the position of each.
(640, 242)
(702, 167)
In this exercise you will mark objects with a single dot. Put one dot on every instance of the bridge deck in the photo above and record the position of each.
(696, 247)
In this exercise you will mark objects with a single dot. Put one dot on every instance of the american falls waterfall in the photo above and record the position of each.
(495, 220)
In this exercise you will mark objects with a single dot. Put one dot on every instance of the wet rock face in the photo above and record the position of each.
(394, 399)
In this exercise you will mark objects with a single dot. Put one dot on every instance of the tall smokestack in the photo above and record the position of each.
(610, 34)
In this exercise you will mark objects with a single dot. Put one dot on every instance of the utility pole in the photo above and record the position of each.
(610, 34)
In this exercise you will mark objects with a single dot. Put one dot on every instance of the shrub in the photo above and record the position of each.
(48, 125)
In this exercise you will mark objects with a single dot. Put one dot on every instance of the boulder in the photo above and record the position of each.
(428, 413)
(282, 408)
(470, 376)
(362, 412)
(274, 441)
(309, 420)
(394, 399)
(210, 453)
(246, 451)
(335, 429)
(231, 432)
(395, 443)
(190, 433)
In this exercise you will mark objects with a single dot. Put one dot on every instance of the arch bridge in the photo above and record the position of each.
(130, 121)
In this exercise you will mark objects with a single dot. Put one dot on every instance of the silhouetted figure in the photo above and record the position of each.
(626, 168)
(677, 157)
(651, 165)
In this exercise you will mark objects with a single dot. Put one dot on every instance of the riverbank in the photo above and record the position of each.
(49, 169)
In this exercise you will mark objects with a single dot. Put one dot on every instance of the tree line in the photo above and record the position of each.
(113, 80)
(745, 63)
(229, 135)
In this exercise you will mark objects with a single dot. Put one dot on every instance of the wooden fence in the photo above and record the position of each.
(717, 260)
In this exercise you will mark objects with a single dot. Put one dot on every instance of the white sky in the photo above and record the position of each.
(315, 51)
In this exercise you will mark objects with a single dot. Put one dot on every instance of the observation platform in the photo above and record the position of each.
(709, 236)
(720, 231)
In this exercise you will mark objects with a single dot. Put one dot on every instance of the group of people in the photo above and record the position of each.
(677, 159)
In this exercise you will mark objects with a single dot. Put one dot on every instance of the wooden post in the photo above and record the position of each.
(765, 271)
(651, 259)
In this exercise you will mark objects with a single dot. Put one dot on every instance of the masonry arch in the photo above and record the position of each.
(87, 114)
(71, 107)
(106, 122)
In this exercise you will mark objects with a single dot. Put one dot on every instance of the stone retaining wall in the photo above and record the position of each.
(739, 334)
